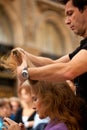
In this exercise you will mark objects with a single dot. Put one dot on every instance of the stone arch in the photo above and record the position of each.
(15, 24)
(54, 21)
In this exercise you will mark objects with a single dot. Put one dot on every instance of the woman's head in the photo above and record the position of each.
(24, 92)
(55, 100)
(5, 107)
(15, 103)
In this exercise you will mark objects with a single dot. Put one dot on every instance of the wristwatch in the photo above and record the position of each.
(25, 73)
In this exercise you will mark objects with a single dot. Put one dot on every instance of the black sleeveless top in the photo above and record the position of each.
(81, 81)
(18, 117)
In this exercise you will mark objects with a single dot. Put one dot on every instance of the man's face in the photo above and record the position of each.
(76, 19)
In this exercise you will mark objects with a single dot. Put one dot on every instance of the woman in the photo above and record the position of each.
(57, 101)
(25, 114)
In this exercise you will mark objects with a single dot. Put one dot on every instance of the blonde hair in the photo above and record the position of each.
(25, 86)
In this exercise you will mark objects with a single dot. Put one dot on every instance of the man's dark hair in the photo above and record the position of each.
(80, 4)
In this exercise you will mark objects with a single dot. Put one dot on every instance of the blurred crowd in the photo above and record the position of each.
(20, 109)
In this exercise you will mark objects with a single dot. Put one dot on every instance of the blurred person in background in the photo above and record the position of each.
(2, 113)
(26, 113)
(6, 108)
(15, 103)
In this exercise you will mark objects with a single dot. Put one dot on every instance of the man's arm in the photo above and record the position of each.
(61, 71)
(38, 61)
(42, 61)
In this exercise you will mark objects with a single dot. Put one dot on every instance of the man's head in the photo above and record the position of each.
(76, 16)
(80, 4)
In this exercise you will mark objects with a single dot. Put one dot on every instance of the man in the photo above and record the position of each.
(73, 66)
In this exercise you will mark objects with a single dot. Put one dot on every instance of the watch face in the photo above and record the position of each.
(25, 74)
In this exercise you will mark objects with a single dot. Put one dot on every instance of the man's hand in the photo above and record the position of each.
(21, 67)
